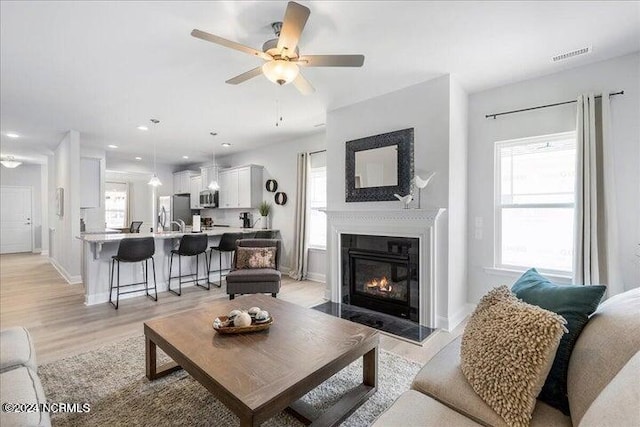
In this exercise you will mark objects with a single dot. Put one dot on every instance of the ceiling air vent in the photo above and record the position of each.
(571, 54)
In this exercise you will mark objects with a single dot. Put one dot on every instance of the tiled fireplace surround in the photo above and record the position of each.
(407, 223)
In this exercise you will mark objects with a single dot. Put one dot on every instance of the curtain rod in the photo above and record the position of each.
(494, 115)
(316, 152)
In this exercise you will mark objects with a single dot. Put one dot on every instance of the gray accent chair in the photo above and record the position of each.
(257, 280)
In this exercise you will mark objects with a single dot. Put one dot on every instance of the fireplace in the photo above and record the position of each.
(380, 281)
(381, 274)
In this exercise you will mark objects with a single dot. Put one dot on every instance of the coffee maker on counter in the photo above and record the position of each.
(246, 219)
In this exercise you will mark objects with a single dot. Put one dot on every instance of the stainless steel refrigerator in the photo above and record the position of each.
(173, 208)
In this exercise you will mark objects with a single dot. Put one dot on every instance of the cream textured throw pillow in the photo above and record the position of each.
(507, 350)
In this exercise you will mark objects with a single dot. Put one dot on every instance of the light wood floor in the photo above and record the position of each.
(34, 295)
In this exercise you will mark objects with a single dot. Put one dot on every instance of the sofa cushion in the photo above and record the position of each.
(573, 302)
(619, 403)
(253, 275)
(22, 385)
(508, 347)
(416, 409)
(606, 344)
(442, 379)
(16, 349)
(255, 257)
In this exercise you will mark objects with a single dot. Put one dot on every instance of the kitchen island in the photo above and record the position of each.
(97, 250)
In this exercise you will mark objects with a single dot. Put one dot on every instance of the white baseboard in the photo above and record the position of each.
(44, 253)
(36, 251)
(72, 280)
(451, 322)
(316, 277)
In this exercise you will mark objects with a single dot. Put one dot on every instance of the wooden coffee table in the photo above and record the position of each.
(260, 374)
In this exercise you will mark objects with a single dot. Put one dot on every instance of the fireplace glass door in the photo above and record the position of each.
(380, 279)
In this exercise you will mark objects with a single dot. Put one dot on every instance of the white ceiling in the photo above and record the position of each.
(104, 68)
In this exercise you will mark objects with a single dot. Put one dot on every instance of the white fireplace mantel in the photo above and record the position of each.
(415, 223)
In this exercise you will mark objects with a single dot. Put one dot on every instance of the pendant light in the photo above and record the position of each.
(155, 181)
(213, 184)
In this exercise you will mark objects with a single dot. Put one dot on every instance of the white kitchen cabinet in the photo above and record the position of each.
(182, 181)
(241, 187)
(196, 185)
(208, 174)
(90, 193)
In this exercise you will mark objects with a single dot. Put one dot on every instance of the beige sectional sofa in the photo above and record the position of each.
(19, 382)
(603, 381)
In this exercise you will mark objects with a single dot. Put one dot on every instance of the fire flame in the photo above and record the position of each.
(381, 284)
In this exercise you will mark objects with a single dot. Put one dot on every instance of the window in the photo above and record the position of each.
(115, 204)
(535, 189)
(316, 200)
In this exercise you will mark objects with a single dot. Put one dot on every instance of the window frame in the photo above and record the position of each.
(498, 206)
(309, 209)
(126, 205)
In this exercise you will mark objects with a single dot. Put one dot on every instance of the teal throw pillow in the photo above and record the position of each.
(573, 302)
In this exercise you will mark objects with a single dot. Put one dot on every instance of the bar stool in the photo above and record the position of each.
(134, 250)
(227, 244)
(190, 245)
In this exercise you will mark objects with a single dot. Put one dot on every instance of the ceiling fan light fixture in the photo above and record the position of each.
(280, 71)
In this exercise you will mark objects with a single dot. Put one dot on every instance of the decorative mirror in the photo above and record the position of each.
(280, 198)
(377, 167)
(271, 185)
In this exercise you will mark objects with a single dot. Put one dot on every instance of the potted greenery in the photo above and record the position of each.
(264, 208)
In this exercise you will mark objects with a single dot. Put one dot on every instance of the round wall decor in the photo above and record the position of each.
(280, 198)
(271, 185)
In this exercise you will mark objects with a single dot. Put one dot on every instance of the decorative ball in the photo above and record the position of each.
(233, 313)
(242, 320)
(254, 310)
(262, 315)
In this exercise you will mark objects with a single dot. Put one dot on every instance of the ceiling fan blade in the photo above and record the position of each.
(245, 76)
(303, 85)
(295, 18)
(230, 44)
(331, 60)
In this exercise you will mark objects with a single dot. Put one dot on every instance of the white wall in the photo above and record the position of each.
(65, 249)
(279, 161)
(27, 175)
(435, 109)
(425, 107)
(620, 73)
(94, 217)
(458, 238)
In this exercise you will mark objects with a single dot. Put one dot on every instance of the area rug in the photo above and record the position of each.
(112, 380)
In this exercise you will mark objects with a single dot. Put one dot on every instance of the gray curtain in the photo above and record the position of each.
(595, 259)
(299, 264)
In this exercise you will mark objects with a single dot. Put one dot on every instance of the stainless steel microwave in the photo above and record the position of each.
(209, 199)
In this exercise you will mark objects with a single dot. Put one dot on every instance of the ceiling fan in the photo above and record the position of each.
(282, 53)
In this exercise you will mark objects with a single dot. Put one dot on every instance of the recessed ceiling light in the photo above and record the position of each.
(226, 144)
(185, 157)
(143, 128)
(112, 146)
(12, 135)
(138, 158)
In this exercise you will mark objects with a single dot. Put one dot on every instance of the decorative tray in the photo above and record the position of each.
(254, 327)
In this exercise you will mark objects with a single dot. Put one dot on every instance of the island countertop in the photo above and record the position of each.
(216, 231)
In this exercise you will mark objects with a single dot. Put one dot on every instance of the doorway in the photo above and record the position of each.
(16, 220)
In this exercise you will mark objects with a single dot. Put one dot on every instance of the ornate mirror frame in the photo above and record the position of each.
(404, 140)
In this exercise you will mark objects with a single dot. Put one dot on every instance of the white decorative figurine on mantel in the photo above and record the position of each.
(421, 184)
(406, 200)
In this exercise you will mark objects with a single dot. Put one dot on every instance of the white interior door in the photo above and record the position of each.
(15, 220)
